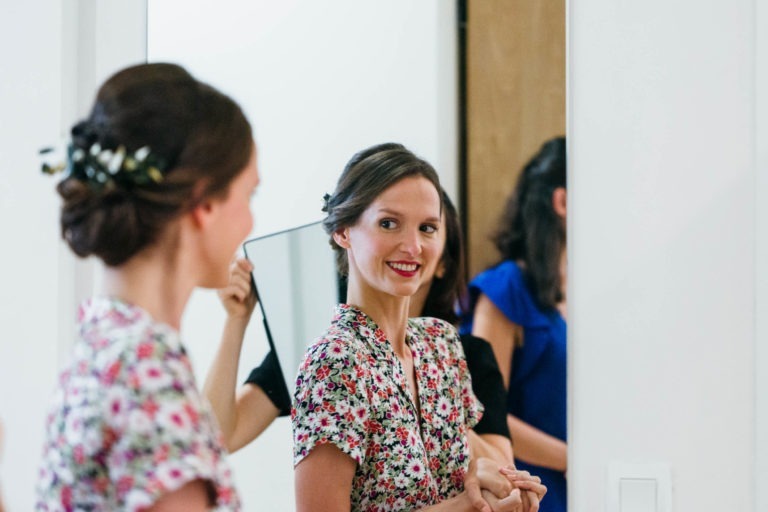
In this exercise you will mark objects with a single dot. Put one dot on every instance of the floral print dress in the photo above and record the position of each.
(128, 424)
(352, 392)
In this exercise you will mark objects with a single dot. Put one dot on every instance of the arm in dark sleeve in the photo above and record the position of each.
(487, 385)
(269, 377)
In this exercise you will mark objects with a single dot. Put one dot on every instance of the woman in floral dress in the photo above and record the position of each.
(383, 403)
(157, 185)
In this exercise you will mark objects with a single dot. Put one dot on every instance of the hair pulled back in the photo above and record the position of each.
(200, 134)
(530, 230)
(367, 174)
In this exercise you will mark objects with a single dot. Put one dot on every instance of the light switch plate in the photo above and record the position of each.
(639, 479)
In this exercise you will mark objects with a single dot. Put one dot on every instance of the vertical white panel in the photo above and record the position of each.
(662, 213)
(761, 234)
(99, 37)
(47, 53)
(30, 103)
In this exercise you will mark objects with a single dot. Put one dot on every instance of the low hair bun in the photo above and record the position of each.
(155, 143)
(101, 224)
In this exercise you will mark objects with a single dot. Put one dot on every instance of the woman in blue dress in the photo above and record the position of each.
(519, 306)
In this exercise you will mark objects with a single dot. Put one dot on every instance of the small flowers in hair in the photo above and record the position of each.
(326, 203)
(52, 160)
(106, 168)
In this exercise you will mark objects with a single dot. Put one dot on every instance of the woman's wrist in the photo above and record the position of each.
(237, 322)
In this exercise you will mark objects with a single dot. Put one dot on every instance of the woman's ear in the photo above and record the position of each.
(202, 213)
(440, 270)
(559, 197)
(341, 237)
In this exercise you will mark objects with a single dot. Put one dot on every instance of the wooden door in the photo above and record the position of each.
(515, 100)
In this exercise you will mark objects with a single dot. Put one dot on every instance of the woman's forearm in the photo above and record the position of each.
(533, 446)
(221, 381)
(492, 446)
(254, 412)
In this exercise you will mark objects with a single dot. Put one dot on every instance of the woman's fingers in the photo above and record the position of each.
(525, 481)
(512, 503)
(490, 477)
(530, 485)
(240, 279)
(472, 487)
(533, 501)
(238, 297)
(244, 264)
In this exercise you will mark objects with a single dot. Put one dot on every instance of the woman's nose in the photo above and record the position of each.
(411, 243)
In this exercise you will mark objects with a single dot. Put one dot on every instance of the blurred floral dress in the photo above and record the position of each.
(352, 392)
(128, 424)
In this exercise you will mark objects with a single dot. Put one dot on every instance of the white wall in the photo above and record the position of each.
(662, 254)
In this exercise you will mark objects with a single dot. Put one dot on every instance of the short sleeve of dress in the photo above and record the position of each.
(330, 403)
(501, 284)
(163, 433)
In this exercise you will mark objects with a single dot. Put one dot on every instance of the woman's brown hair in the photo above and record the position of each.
(367, 174)
(201, 135)
(530, 231)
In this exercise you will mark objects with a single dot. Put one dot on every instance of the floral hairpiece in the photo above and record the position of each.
(326, 203)
(106, 168)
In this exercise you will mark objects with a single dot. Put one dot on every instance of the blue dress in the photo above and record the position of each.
(537, 388)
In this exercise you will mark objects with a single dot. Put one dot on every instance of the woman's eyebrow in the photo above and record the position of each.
(397, 213)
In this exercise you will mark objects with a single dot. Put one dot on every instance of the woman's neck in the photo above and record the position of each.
(388, 311)
(419, 300)
(153, 281)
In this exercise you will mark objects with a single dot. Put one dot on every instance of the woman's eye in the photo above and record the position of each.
(429, 228)
(388, 224)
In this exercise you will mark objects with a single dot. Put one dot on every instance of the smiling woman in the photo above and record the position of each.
(382, 219)
(383, 403)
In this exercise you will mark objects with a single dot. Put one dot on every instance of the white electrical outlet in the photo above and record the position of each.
(639, 488)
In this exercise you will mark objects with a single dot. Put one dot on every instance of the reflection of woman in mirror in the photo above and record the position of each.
(519, 306)
(383, 403)
(246, 412)
(437, 297)
(157, 185)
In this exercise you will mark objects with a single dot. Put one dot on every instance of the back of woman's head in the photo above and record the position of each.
(449, 283)
(196, 139)
(367, 174)
(531, 230)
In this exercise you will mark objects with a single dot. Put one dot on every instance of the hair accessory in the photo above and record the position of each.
(106, 168)
(326, 202)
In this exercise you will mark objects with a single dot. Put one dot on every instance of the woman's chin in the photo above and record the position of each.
(214, 281)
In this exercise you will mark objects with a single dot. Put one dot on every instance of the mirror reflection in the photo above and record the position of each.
(295, 276)
(319, 82)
